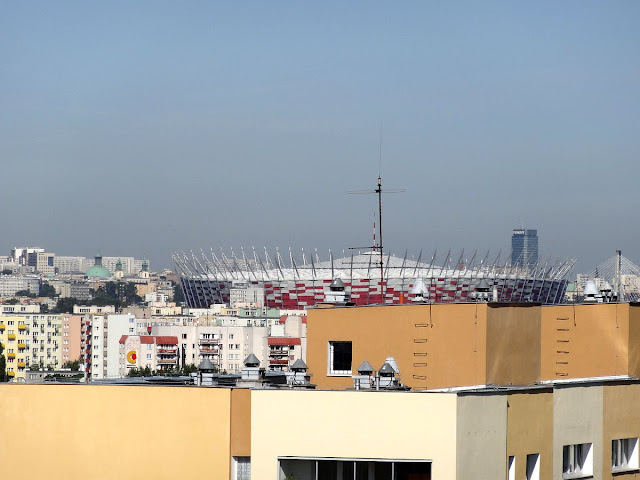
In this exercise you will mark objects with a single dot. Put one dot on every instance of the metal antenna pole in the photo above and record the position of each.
(379, 192)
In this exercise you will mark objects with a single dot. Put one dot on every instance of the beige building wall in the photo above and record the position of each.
(106, 432)
(585, 340)
(577, 418)
(385, 425)
(530, 430)
(620, 420)
(481, 433)
(513, 344)
(434, 345)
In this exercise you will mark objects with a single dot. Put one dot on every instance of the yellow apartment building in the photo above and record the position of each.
(571, 430)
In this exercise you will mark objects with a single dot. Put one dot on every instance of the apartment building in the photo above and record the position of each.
(152, 351)
(71, 337)
(44, 340)
(100, 340)
(225, 346)
(31, 340)
(10, 285)
(14, 338)
(584, 428)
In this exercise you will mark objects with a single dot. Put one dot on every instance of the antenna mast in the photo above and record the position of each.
(379, 192)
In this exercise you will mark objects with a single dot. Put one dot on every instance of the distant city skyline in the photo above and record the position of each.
(150, 128)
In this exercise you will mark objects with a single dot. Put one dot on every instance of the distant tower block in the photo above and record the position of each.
(524, 247)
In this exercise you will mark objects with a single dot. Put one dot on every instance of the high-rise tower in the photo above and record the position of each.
(524, 247)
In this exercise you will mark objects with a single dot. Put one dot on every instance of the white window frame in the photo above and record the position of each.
(577, 460)
(330, 354)
(624, 455)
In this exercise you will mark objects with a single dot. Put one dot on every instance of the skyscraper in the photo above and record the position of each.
(524, 247)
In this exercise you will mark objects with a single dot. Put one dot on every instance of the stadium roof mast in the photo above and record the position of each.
(378, 191)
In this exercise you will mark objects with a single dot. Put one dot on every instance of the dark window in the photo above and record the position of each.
(340, 357)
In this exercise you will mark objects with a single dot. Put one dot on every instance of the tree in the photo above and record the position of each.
(12, 301)
(3, 365)
(75, 365)
(65, 305)
(24, 293)
(47, 290)
(178, 294)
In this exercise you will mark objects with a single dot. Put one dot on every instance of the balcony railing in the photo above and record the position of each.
(168, 360)
(167, 350)
(11, 336)
(22, 327)
(209, 350)
(278, 362)
(209, 341)
(22, 346)
(11, 374)
(1, 326)
(22, 364)
(11, 355)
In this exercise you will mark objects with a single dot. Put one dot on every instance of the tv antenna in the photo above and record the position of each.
(378, 190)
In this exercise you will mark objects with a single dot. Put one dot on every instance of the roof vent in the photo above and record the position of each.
(251, 361)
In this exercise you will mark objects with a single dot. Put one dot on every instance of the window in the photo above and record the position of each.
(577, 460)
(624, 454)
(339, 358)
(241, 468)
(231, 336)
(184, 336)
(148, 356)
(533, 466)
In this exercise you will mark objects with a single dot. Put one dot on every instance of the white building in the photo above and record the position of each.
(101, 339)
(225, 347)
(141, 351)
(10, 285)
(249, 296)
(69, 264)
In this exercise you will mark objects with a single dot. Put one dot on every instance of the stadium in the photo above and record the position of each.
(295, 282)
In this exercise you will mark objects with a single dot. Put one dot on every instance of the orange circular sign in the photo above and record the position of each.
(131, 356)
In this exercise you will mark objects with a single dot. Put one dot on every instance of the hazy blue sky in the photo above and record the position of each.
(151, 127)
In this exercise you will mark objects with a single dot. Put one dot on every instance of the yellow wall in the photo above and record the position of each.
(104, 432)
(584, 341)
(513, 345)
(530, 430)
(434, 345)
(387, 425)
(634, 340)
(241, 422)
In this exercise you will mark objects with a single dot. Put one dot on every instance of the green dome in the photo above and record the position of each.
(98, 271)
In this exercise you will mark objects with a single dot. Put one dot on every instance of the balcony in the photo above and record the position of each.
(278, 362)
(11, 374)
(209, 341)
(209, 350)
(279, 352)
(11, 336)
(1, 326)
(11, 355)
(22, 327)
(22, 345)
(167, 350)
(22, 364)
(167, 361)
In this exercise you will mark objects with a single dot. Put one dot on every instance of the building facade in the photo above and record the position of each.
(524, 247)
